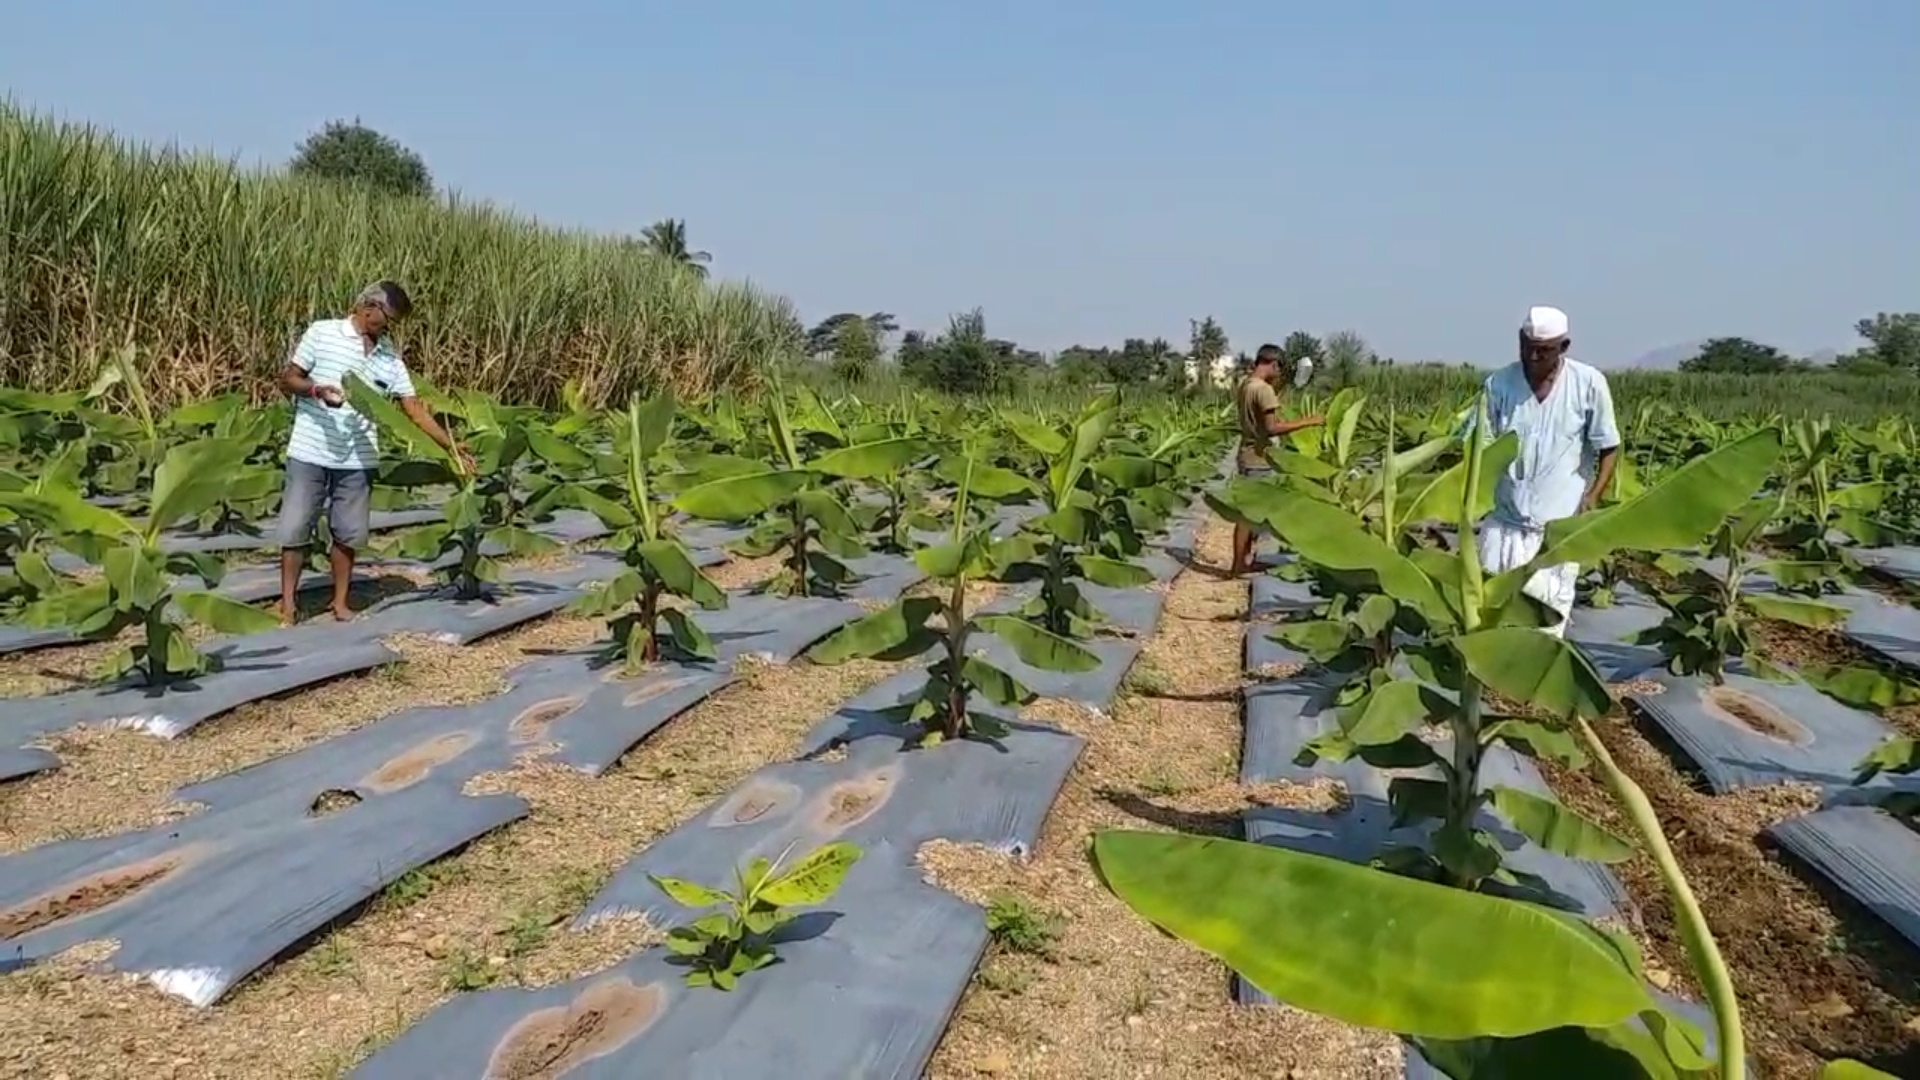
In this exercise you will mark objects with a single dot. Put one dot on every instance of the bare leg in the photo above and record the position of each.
(292, 561)
(1242, 551)
(341, 560)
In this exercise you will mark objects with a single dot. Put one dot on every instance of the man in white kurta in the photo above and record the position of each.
(1563, 412)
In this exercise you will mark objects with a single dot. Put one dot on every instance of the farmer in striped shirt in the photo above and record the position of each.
(332, 453)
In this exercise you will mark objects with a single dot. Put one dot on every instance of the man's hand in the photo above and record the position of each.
(462, 459)
(331, 396)
(1312, 421)
(1590, 501)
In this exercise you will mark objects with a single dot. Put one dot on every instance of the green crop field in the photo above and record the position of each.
(725, 685)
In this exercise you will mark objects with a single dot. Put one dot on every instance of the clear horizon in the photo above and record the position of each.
(1087, 173)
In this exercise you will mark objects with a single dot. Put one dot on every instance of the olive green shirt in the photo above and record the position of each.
(1256, 400)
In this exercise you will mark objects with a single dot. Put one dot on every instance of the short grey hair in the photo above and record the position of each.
(388, 296)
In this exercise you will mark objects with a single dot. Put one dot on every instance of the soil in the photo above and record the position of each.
(1818, 976)
(604, 1017)
(495, 914)
(92, 893)
(1108, 995)
(1755, 715)
(1084, 989)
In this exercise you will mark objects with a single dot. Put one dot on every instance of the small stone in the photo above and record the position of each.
(436, 947)
(1660, 977)
(994, 1063)
(406, 937)
(1831, 1007)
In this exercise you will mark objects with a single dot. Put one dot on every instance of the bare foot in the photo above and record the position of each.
(285, 611)
(342, 613)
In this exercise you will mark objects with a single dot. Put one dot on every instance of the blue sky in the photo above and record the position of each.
(1420, 172)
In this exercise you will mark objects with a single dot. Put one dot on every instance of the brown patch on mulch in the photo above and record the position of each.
(1113, 996)
(494, 914)
(603, 1017)
(1796, 948)
(111, 781)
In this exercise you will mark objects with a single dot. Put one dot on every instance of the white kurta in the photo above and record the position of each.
(1561, 438)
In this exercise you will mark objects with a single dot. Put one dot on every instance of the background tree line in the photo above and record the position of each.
(964, 358)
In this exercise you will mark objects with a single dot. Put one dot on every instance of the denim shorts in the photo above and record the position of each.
(345, 493)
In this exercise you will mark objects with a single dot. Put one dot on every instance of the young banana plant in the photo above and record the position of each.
(656, 565)
(139, 583)
(1710, 617)
(486, 518)
(943, 708)
(799, 498)
(1391, 950)
(1074, 539)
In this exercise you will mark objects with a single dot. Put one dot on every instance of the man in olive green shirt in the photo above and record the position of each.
(1257, 403)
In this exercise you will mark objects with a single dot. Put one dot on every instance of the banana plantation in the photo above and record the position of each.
(664, 740)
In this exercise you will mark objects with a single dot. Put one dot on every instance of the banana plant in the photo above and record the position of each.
(139, 583)
(1710, 617)
(1601, 587)
(28, 573)
(656, 565)
(485, 518)
(800, 501)
(1392, 950)
(1079, 536)
(1354, 635)
(905, 490)
(944, 706)
(1813, 505)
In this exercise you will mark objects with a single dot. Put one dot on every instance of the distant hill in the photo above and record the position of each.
(1671, 357)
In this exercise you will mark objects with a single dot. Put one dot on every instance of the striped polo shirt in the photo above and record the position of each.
(341, 438)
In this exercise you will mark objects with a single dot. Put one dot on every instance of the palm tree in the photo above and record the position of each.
(667, 238)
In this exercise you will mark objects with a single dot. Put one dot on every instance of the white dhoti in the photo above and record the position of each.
(1503, 547)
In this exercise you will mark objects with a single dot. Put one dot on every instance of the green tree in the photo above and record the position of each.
(964, 360)
(1345, 353)
(1864, 362)
(856, 350)
(357, 154)
(1133, 365)
(1205, 344)
(823, 338)
(1299, 346)
(667, 238)
(915, 355)
(1737, 356)
(1078, 365)
(1894, 338)
(1167, 367)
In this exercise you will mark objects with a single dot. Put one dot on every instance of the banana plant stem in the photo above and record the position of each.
(1708, 965)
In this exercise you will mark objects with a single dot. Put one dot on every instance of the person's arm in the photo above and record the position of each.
(1603, 435)
(1287, 427)
(294, 380)
(401, 387)
(1269, 403)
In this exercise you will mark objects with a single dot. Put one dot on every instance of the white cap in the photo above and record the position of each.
(1545, 323)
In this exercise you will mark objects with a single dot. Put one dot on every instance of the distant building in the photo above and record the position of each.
(1218, 373)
